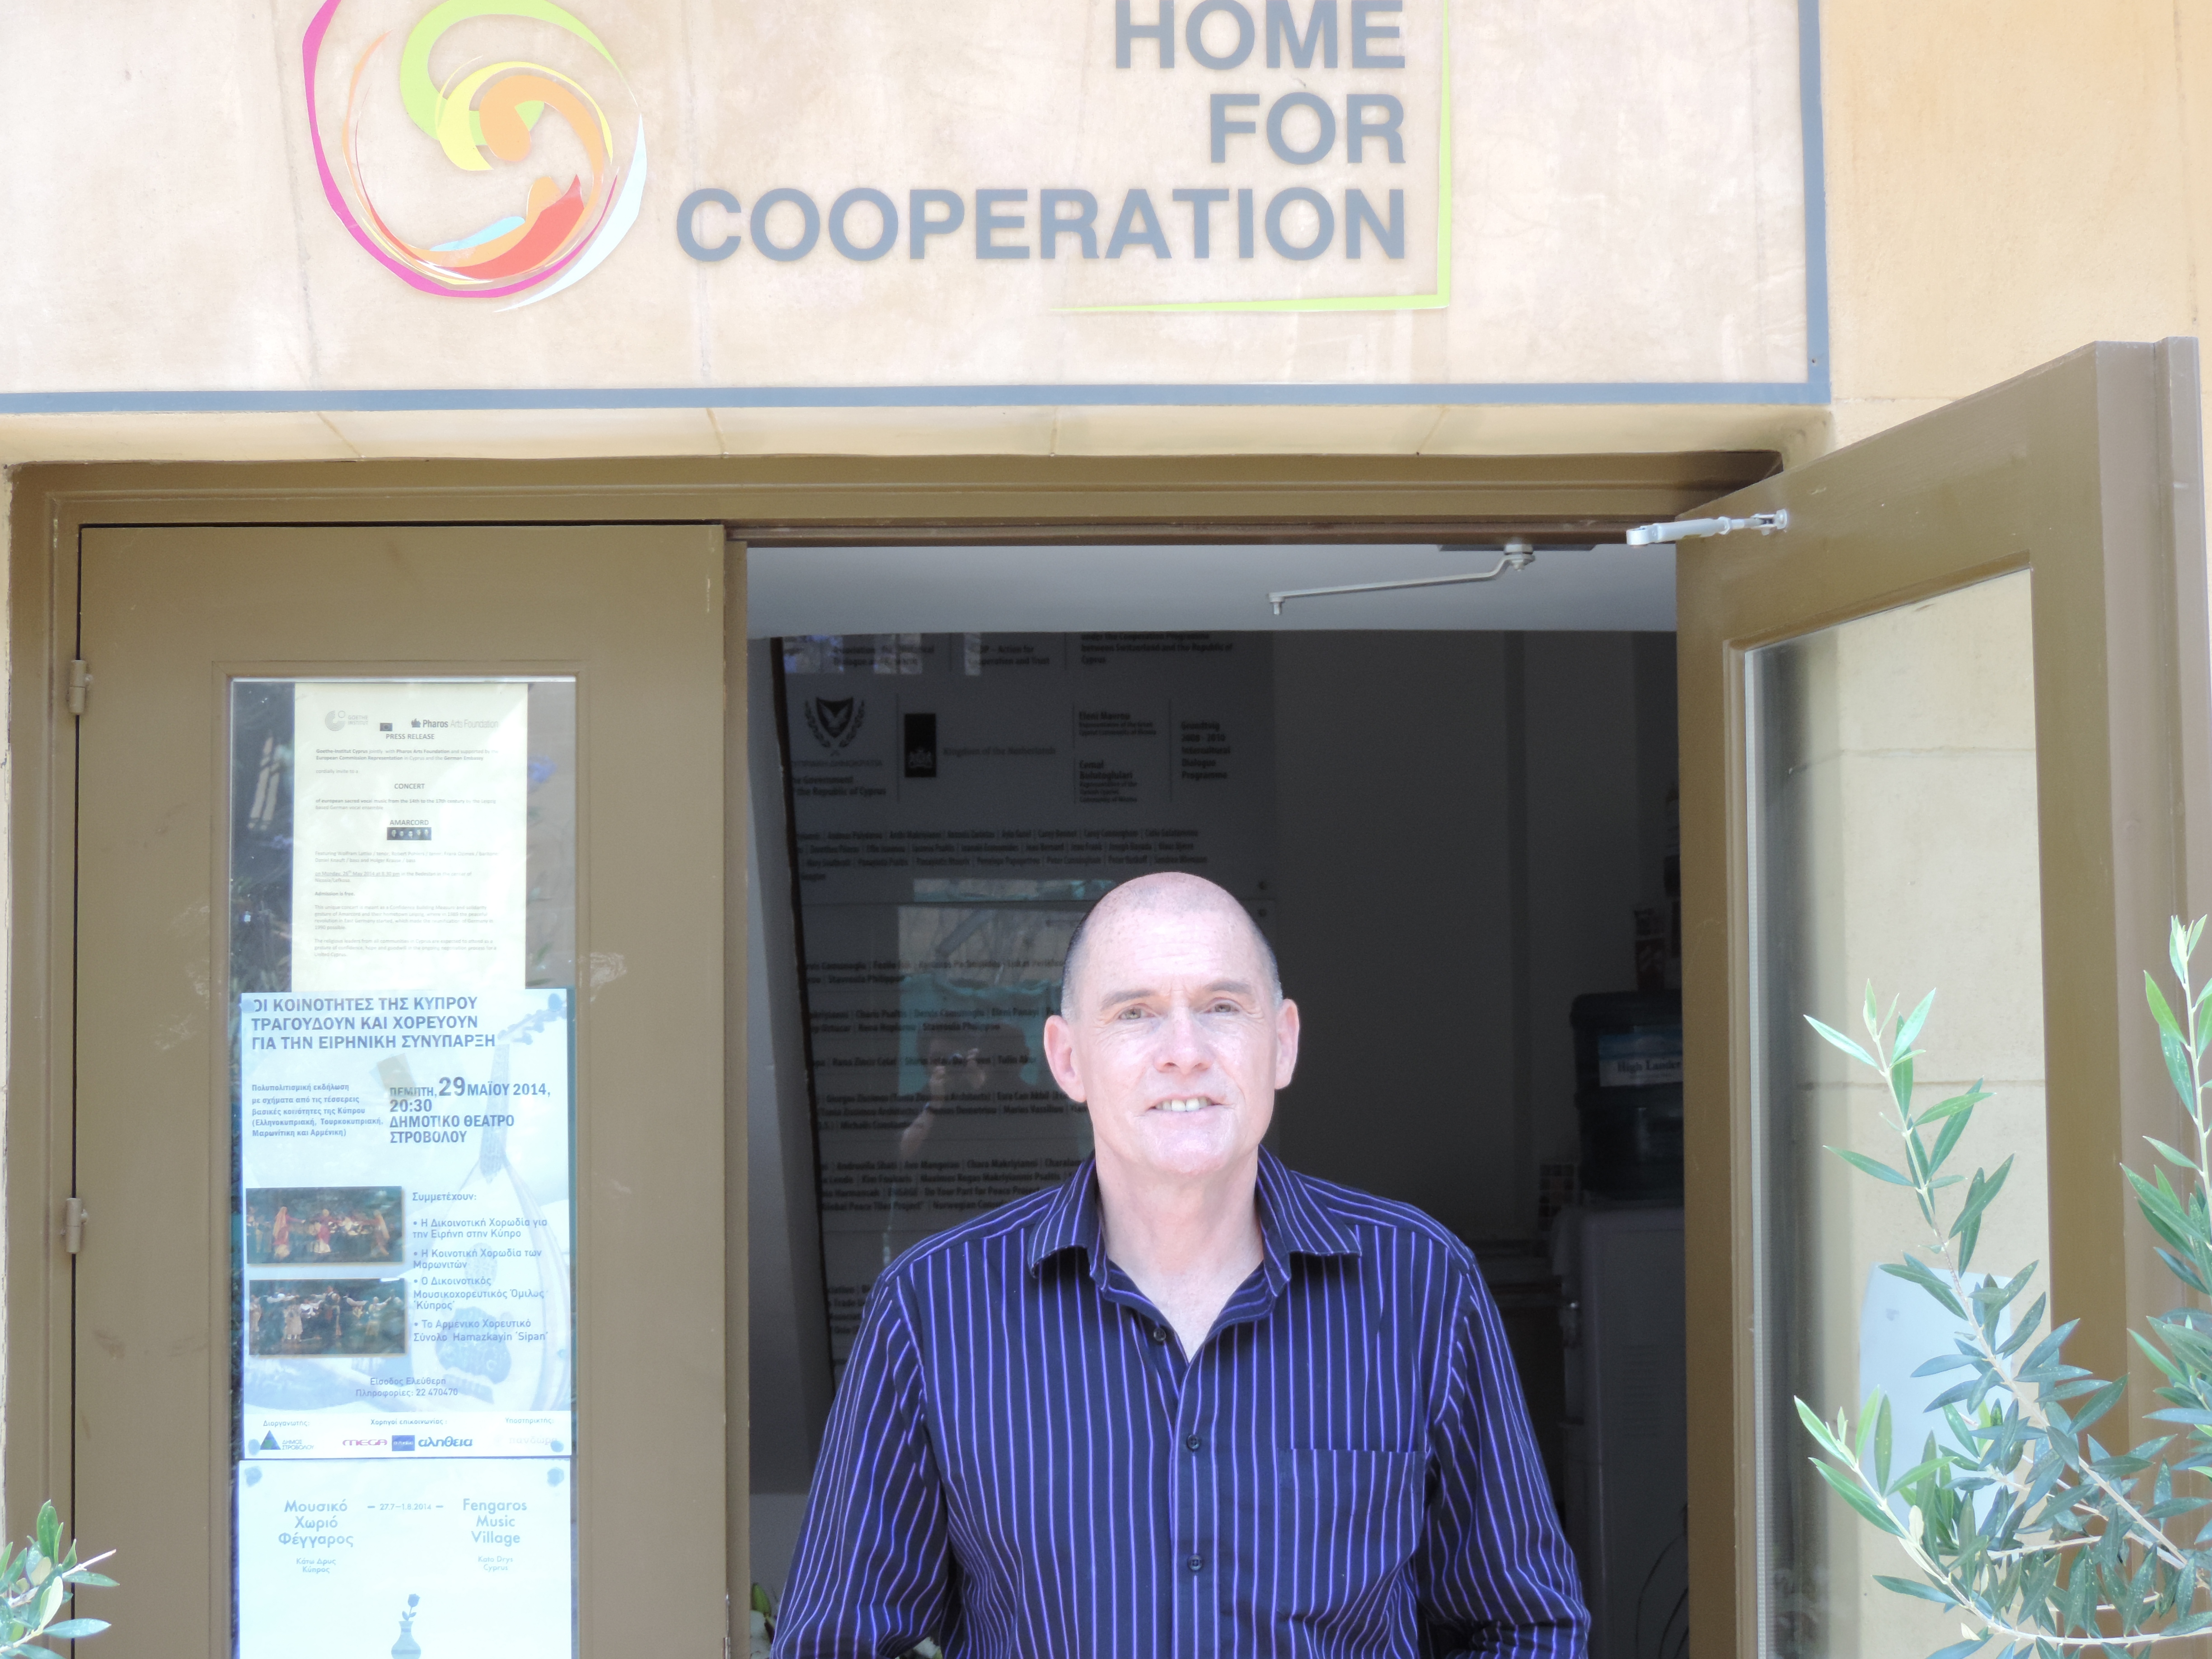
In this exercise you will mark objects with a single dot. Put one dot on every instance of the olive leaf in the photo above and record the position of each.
(2043, 1541)
(35, 1583)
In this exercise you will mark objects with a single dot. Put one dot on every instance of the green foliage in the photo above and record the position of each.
(2044, 1541)
(36, 1581)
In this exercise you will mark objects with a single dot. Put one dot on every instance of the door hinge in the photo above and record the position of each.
(80, 683)
(74, 1216)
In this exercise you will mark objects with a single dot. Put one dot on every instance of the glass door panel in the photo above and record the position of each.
(1891, 794)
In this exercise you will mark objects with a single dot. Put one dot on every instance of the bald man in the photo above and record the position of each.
(1190, 1403)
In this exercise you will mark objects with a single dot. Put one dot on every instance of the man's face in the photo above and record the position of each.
(1174, 1041)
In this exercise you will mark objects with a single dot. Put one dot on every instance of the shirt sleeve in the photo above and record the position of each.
(1494, 1572)
(872, 1573)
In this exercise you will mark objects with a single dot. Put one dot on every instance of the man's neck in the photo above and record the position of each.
(1188, 1245)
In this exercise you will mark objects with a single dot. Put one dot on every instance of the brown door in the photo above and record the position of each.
(252, 877)
(1950, 729)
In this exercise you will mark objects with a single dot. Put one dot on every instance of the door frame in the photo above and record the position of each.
(797, 500)
(2113, 533)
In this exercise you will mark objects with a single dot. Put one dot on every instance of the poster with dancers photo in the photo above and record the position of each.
(325, 1226)
(297, 1317)
(406, 1270)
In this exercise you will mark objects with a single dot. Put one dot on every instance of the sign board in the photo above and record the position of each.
(958, 801)
(1133, 200)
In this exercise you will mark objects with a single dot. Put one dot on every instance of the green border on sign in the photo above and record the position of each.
(1436, 301)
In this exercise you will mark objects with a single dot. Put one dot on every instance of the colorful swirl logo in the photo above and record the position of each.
(560, 235)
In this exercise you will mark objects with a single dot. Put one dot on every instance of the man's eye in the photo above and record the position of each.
(1132, 1013)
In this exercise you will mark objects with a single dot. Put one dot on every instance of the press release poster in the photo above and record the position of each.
(958, 801)
(409, 826)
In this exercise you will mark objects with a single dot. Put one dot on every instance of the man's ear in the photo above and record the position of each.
(1060, 1054)
(1286, 1043)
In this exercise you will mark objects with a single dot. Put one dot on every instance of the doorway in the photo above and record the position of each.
(338, 598)
(1451, 810)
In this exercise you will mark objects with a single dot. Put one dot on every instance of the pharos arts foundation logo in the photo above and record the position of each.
(479, 111)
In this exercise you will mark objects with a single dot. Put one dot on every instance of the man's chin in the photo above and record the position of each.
(1193, 1145)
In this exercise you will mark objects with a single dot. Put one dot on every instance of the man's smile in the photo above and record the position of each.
(1185, 1104)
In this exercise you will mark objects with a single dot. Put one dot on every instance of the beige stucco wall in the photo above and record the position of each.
(2009, 179)
(1626, 190)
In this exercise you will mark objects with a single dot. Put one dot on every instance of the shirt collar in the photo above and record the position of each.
(1070, 1222)
(1292, 1221)
(1291, 1216)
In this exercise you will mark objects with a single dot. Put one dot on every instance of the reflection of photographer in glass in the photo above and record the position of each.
(967, 1073)
(955, 1116)
(982, 1131)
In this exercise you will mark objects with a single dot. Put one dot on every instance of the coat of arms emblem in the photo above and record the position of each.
(835, 721)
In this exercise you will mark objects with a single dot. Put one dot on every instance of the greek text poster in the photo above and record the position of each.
(406, 1190)
(409, 829)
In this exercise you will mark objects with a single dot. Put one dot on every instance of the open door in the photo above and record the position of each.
(1951, 728)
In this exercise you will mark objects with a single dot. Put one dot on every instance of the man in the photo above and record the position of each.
(1190, 1403)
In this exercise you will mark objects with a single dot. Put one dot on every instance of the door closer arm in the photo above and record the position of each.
(1517, 555)
(1644, 535)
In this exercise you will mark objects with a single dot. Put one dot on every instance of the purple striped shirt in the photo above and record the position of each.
(1021, 1462)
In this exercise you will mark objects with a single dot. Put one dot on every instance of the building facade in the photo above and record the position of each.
(484, 483)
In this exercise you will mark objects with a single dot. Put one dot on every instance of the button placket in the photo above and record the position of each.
(1198, 1566)
(1179, 1387)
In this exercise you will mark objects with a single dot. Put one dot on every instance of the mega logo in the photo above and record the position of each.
(479, 112)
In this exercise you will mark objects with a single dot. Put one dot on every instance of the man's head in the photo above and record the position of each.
(1173, 1029)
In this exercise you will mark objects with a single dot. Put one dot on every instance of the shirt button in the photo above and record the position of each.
(1157, 1332)
(1197, 1564)
(1193, 1442)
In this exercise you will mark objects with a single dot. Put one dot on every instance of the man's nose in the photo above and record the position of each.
(1183, 1043)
